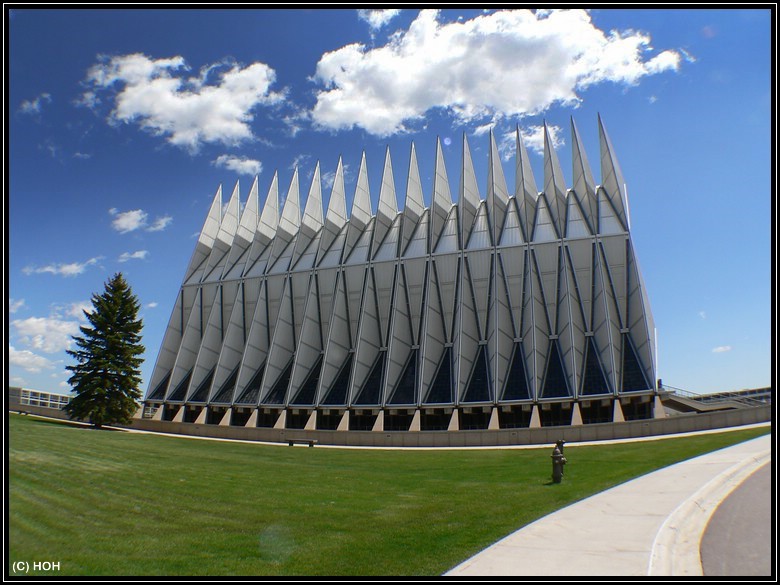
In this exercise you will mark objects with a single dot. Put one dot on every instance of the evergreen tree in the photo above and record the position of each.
(107, 375)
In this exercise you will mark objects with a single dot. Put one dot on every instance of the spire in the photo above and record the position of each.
(584, 185)
(469, 199)
(554, 185)
(388, 204)
(526, 192)
(441, 202)
(336, 218)
(290, 221)
(497, 194)
(414, 205)
(611, 176)
(312, 216)
(269, 219)
(361, 208)
(246, 231)
(208, 234)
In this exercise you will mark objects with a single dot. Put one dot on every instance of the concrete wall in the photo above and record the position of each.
(521, 436)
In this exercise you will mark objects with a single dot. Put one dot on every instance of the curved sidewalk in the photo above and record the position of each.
(652, 525)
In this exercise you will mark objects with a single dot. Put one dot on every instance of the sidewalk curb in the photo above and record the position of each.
(677, 546)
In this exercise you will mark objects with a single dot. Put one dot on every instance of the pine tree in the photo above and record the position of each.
(107, 375)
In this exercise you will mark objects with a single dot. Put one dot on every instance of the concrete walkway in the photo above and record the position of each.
(652, 525)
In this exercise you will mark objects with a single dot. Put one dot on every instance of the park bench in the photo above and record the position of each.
(309, 442)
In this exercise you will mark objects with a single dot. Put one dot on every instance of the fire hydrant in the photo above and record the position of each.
(558, 461)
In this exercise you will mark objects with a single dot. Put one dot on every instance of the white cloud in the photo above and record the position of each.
(28, 361)
(48, 334)
(128, 221)
(377, 19)
(139, 255)
(34, 106)
(151, 305)
(721, 349)
(15, 305)
(136, 219)
(77, 309)
(214, 107)
(160, 224)
(702, 314)
(70, 269)
(240, 165)
(507, 63)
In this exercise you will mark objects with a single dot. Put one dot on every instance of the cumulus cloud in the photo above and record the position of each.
(721, 349)
(34, 106)
(128, 221)
(139, 255)
(15, 305)
(215, 106)
(160, 224)
(136, 219)
(28, 361)
(377, 19)
(507, 63)
(69, 269)
(48, 334)
(240, 165)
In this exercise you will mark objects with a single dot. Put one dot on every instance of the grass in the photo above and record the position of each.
(122, 504)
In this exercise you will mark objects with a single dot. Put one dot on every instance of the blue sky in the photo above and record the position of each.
(122, 124)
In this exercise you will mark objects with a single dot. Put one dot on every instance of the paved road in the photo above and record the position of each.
(738, 538)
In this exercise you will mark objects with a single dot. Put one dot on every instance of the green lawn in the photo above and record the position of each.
(123, 504)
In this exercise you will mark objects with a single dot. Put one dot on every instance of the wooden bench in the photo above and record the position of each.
(309, 442)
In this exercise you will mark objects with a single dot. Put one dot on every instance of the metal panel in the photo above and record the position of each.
(497, 193)
(245, 234)
(335, 219)
(207, 236)
(441, 202)
(512, 234)
(611, 176)
(338, 341)
(469, 199)
(526, 192)
(232, 347)
(418, 243)
(554, 185)
(388, 205)
(544, 230)
(188, 350)
(361, 209)
(414, 205)
(584, 185)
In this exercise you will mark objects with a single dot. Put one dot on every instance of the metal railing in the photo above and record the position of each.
(752, 397)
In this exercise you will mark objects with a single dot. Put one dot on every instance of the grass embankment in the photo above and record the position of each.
(122, 504)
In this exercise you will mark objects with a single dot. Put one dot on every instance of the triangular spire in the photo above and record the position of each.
(207, 235)
(224, 239)
(336, 218)
(526, 192)
(554, 184)
(414, 205)
(269, 219)
(468, 199)
(361, 208)
(584, 185)
(246, 231)
(441, 202)
(290, 221)
(312, 216)
(497, 194)
(266, 227)
(611, 176)
(388, 204)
